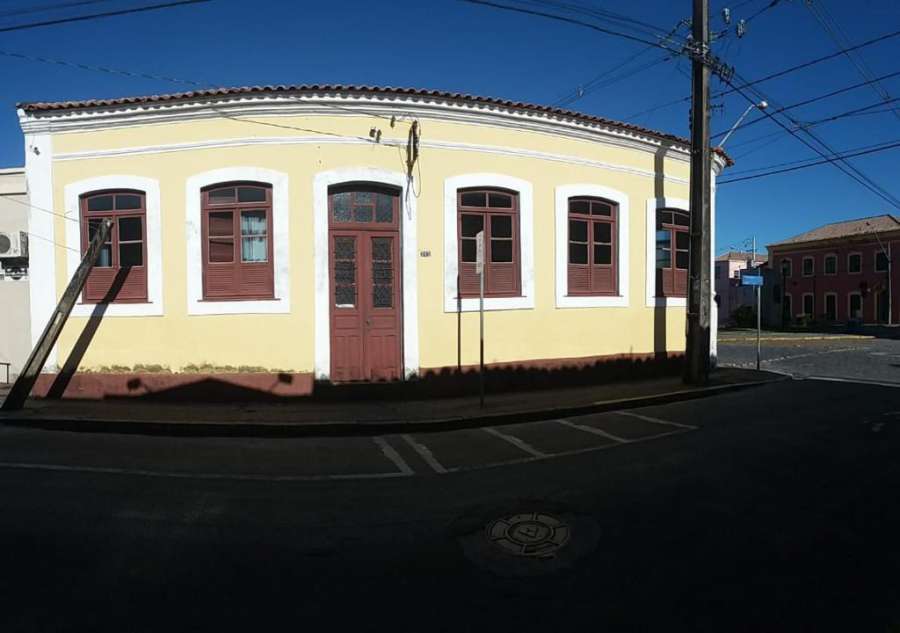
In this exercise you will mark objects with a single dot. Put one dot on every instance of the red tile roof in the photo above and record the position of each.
(320, 88)
(846, 228)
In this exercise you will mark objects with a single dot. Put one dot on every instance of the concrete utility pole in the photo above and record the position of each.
(698, 310)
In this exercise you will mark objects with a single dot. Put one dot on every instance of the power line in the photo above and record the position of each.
(619, 19)
(50, 7)
(844, 152)
(830, 159)
(93, 16)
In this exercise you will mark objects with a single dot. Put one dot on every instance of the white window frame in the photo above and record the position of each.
(281, 303)
(851, 254)
(812, 272)
(654, 204)
(862, 307)
(150, 187)
(825, 268)
(875, 268)
(825, 307)
(803, 304)
(526, 242)
(563, 300)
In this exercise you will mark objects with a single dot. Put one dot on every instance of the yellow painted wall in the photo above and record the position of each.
(286, 342)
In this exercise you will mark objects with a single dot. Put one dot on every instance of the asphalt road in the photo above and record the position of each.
(873, 359)
(770, 509)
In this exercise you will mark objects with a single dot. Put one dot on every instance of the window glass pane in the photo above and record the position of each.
(340, 207)
(251, 194)
(362, 214)
(100, 203)
(663, 239)
(254, 249)
(603, 255)
(128, 201)
(471, 225)
(501, 226)
(253, 222)
(602, 232)
(663, 258)
(382, 273)
(381, 249)
(578, 253)
(500, 200)
(501, 250)
(344, 248)
(681, 219)
(579, 206)
(881, 262)
(130, 229)
(808, 304)
(345, 296)
(578, 231)
(854, 263)
(830, 265)
(221, 251)
(601, 208)
(807, 266)
(472, 199)
(365, 197)
(217, 196)
(469, 250)
(681, 260)
(663, 217)
(384, 208)
(221, 223)
(131, 254)
(682, 240)
(345, 271)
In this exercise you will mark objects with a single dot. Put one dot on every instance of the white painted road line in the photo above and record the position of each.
(594, 431)
(425, 454)
(855, 381)
(515, 442)
(393, 455)
(647, 418)
(99, 470)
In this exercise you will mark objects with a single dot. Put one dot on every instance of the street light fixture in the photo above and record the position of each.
(762, 105)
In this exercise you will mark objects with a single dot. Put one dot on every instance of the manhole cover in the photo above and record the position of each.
(531, 534)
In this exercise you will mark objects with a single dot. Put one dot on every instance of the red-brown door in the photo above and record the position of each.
(365, 302)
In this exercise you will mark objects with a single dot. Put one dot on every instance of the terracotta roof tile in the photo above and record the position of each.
(38, 107)
(847, 228)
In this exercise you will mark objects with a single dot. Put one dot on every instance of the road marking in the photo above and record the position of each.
(780, 359)
(647, 418)
(393, 455)
(426, 454)
(99, 470)
(515, 442)
(855, 381)
(594, 431)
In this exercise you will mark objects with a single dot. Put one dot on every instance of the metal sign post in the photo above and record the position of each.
(479, 268)
(756, 281)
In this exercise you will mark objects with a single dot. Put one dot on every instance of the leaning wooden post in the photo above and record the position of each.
(24, 383)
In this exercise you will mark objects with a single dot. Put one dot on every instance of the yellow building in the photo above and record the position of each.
(329, 232)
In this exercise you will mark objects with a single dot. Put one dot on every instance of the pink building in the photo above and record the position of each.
(731, 295)
(836, 273)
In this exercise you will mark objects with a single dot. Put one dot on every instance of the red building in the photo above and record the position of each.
(836, 273)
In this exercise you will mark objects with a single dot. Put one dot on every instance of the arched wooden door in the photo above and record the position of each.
(365, 290)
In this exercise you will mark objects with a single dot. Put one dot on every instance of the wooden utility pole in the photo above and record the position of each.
(698, 310)
(22, 387)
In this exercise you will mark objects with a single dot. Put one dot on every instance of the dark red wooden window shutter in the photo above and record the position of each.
(496, 212)
(120, 273)
(592, 247)
(672, 252)
(237, 241)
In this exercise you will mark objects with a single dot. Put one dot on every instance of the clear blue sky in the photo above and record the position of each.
(449, 45)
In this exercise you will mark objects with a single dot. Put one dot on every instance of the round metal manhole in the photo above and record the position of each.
(531, 534)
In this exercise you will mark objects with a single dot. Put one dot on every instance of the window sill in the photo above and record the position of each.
(236, 299)
(242, 305)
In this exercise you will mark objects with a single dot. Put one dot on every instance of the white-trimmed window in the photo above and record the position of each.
(571, 201)
(830, 264)
(831, 309)
(136, 243)
(809, 304)
(655, 295)
(276, 265)
(881, 261)
(809, 266)
(525, 249)
(854, 305)
(854, 263)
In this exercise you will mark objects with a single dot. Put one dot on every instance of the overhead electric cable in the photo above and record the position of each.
(94, 16)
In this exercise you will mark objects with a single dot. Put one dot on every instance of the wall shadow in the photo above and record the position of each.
(67, 371)
(660, 344)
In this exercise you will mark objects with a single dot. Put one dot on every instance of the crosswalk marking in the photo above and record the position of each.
(515, 442)
(647, 418)
(393, 455)
(425, 454)
(594, 431)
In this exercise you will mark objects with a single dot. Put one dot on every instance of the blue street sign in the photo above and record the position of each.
(751, 280)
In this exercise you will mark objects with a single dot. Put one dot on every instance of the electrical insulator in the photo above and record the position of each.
(726, 15)
(741, 28)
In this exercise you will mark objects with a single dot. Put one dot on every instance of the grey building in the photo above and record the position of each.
(15, 335)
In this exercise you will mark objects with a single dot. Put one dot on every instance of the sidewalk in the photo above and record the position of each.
(365, 417)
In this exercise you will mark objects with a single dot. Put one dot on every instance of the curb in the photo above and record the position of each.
(357, 428)
(843, 337)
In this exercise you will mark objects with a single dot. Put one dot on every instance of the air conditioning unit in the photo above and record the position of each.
(13, 244)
